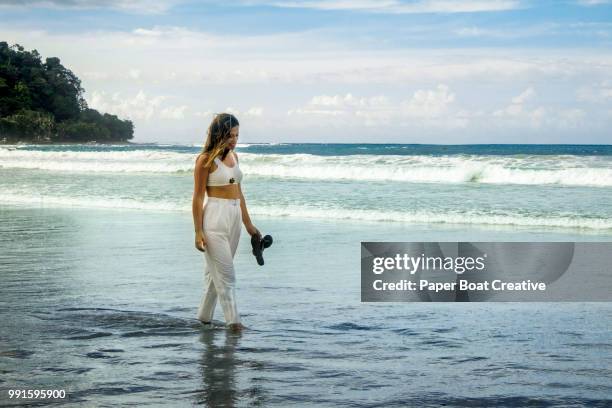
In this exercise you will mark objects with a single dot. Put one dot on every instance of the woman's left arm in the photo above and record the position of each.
(246, 219)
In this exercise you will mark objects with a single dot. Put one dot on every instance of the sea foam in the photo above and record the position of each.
(591, 171)
(470, 217)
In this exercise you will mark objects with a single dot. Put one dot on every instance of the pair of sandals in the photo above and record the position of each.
(259, 244)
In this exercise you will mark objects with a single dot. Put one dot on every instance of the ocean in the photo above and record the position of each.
(101, 280)
(548, 187)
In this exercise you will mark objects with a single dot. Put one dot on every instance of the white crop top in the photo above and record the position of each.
(224, 175)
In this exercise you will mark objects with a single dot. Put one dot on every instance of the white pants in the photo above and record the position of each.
(222, 226)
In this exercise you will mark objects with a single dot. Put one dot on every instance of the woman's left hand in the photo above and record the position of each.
(252, 230)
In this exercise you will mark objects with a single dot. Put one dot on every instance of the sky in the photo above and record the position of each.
(338, 71)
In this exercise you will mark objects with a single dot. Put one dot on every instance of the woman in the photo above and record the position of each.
(217, 224)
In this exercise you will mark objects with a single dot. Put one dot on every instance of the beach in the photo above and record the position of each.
(101, 280)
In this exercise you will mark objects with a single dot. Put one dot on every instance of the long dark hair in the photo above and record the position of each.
(217, 141)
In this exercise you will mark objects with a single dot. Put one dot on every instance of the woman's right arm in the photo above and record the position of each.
(199, 192)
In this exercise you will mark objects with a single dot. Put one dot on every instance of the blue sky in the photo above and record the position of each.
(421, 71)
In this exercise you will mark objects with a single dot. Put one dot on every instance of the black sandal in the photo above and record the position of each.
(259, 244)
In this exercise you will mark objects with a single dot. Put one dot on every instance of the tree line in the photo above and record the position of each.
(43, 102)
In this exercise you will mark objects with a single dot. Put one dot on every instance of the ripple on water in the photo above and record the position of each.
(74, 370)
(469, 359)
(97, 354)
(115, 389)
(441, 399)
(17, 353)
(124, 323)
(591, 345)
(406, 332)
(164, 345)
(442, 343)
(444, 330)
(258, 349)
(346, 326)
(89, 336)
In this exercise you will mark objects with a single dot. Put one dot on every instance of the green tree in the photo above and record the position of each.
(27, 124)
(82, 132)
(44, 101)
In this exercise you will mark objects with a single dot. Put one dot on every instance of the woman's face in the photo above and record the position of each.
(233, 137)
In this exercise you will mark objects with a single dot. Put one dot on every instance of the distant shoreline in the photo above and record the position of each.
(127, 143)
(19, 143)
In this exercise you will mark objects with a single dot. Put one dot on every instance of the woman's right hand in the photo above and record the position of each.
(200, 241)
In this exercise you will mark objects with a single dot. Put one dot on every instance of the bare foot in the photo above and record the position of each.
(236, 327)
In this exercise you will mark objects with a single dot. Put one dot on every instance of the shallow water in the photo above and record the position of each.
(102, 304)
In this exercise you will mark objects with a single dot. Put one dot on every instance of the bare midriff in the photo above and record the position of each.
(230, 191)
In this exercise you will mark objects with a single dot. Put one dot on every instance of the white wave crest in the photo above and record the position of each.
(427, 217)
(532, 170)
(592, 171)
(135, 161)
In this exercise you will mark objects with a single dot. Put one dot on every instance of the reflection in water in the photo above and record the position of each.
(218, 366)
(86, 305)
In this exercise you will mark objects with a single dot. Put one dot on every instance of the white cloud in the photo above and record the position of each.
(140, 106)
(339, 104)
(333, 4)
(232, 110)
(524, 96)
(423, 105)
(378, 6)
(436, 108)
(134, 73)
(451, 6)
(308, 111)
(516, 108)
(212, 59)
(513, 109)
(208, 114)
(95, 75)
(177, 112)
(324, 100)
(592, 2)
(255, 111)
(347, 100)
(519, 115)
(572, 118)
(470, 31)
(402, 7)
(130, 6)
(598, 93)
(428, 103)
(510, 31)
(156, 32)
